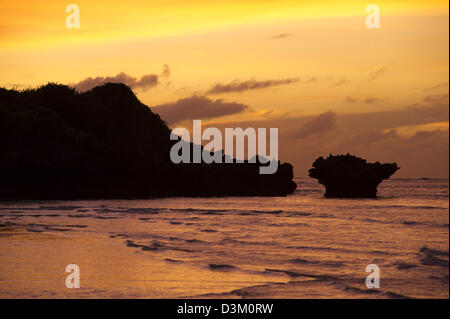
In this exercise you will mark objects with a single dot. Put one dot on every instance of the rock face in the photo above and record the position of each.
(347, 176)
(104, 143)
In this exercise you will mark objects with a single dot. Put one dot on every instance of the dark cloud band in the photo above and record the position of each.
(197, 107)
(144, 83)
(237, 86)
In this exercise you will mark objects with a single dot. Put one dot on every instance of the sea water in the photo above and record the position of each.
(298, 246)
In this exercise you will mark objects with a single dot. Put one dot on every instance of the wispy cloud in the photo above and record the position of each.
(368, 100)
(371, 100)
(437, 98)
(238, 86)
(166, 71)
(144, 83)
(197, 107)
(283, 35)
(437, 86)
(349, 99)
(316, 126)
(343, 80)
(375, 74)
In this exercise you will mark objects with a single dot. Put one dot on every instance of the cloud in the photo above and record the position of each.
(407, 151)
(373, 75)
(378, 135)
(197, 107)
(267, 113)
(145, 82)
(349, 99)
(166, 71)
(368, 100)
(283, 35)
(371, 100)
(437, 86)
(316, 126)
(438, 98)
(236, 86)
(423, 135)
(367, 138)
(341, 81)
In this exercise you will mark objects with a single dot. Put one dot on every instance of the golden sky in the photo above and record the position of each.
(285, 62)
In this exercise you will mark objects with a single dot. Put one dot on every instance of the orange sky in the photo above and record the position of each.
(334, 61)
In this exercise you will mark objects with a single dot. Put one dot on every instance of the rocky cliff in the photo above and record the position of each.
(350, 176)
(104, 143)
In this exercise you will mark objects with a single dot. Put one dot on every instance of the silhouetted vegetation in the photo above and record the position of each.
(58, 143)
(350, 176)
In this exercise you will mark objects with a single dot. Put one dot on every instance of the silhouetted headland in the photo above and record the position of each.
(346, 176)
(105, 143)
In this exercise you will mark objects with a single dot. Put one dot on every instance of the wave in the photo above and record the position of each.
(59, 207)
(222, 211)
(403, 265)
(388, 294)
(295, 274)
(79, 215)
(302, 261)
(155, 245)
(209, 231)
(201, 210)
(287, 224)
(429, 257)
(429, 260)
(222, 267)
(293, 290)
(409, 207)
(173, 260)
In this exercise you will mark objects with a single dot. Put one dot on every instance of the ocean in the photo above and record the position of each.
(298, 246)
